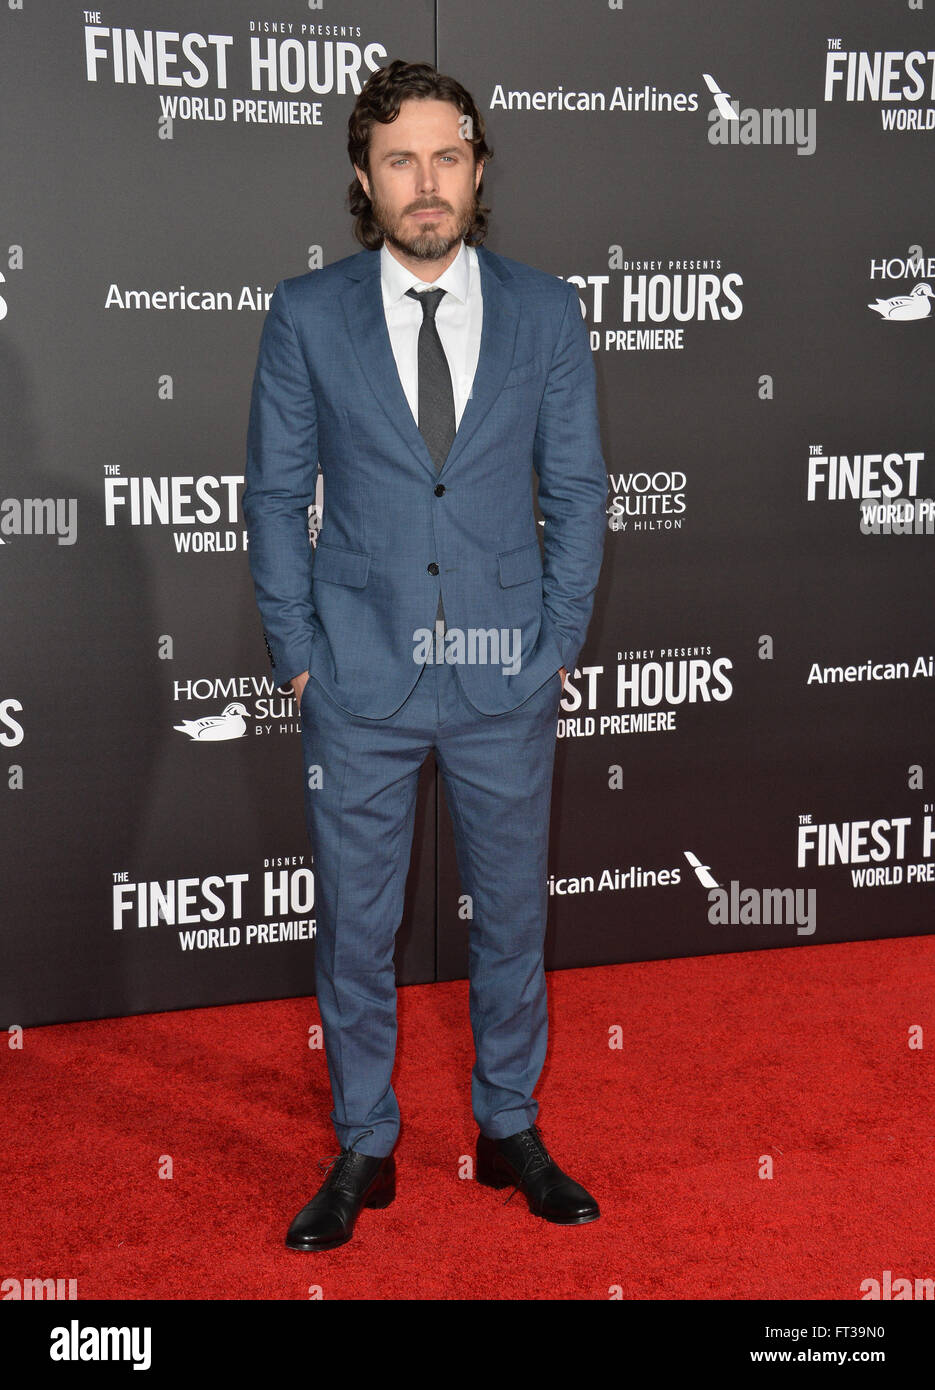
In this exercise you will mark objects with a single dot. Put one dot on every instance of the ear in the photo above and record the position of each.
(365, 182)
(478, 175)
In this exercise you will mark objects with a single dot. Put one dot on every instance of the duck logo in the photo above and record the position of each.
(917, 305)
(230, 723)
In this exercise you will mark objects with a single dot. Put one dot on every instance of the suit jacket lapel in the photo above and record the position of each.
(366, 327)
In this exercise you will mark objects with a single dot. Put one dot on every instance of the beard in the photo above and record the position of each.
(430, 244)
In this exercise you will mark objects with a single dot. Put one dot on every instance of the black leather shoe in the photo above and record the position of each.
(355, 1181)
(523, 1161)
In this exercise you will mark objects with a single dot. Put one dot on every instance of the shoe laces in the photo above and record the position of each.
(339, 1161)
(537, 1156)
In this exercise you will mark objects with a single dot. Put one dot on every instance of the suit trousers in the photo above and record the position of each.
(361, 778)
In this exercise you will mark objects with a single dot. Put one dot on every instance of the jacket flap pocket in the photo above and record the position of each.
(518, 566)
(336, 565)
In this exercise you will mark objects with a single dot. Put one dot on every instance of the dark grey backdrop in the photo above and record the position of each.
(113, 640)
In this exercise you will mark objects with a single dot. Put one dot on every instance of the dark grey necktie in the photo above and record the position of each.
(436, 398)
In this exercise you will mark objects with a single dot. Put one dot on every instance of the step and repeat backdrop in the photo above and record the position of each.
(742, 196)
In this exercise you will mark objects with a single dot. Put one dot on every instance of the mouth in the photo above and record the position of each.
(429, 212)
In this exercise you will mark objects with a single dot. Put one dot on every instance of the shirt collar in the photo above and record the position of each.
(396, 279)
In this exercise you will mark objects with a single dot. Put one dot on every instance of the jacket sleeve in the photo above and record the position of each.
(572, 484)
(281, 474)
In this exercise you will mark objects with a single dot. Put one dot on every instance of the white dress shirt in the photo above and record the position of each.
(458, 319)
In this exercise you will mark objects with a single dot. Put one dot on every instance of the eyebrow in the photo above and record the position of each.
(394, 154)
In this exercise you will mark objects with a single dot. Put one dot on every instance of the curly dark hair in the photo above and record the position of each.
(380, 100)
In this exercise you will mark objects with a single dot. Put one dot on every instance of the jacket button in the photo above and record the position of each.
(433, 568)
(439, 489)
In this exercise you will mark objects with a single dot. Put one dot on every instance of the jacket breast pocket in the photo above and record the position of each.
(335, 565)
(521, 565)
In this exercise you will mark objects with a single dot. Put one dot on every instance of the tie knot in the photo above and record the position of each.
(429, 299)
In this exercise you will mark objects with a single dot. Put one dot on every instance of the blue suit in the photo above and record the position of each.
(395, 532)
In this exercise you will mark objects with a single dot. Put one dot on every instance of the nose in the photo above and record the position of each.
(427, 179)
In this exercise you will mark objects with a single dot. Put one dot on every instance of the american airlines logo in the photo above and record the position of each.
(721, 99)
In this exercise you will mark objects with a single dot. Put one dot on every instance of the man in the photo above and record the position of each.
(428, 377)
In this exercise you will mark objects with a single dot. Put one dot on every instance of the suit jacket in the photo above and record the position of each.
(394, 531)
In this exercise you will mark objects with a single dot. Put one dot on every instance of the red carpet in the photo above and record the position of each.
(800, 1054)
